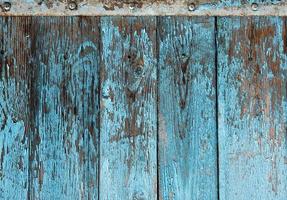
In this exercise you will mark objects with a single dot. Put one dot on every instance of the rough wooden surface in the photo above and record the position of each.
(64, 144)
(187, 109)
(49, 108)
(128, 133)
(15, 98)
(144, 7)
(252, 108)
(136, 108)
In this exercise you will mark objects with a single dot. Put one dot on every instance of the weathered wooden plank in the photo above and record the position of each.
(144, 7)
(252, 108)
(14, 107)
(63, 151)
(128, 133)
(187, 109)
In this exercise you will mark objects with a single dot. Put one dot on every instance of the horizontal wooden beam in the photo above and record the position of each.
(143, 8)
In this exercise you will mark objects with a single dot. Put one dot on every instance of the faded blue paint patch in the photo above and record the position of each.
(13, 159)
(252, 108)
(14, 150)
(187, 109)
(64, 145)
(128, 109)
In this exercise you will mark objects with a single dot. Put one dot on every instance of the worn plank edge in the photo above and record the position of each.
(180, 9)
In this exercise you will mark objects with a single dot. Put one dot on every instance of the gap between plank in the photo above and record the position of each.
(216, 102)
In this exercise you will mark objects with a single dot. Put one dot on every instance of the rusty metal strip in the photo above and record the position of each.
(142, 8)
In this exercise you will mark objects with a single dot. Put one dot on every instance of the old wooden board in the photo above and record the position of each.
(15, 113)
(49, 108)
(187, 109)
(128, 133)
(151, 107)
(252, 77)
(143, 7)
(64, 144)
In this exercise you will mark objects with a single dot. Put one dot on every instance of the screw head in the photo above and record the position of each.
(191, 7)
(132, 6)
(6, 6)
(73, 5)
(254, 6)
(107, 6)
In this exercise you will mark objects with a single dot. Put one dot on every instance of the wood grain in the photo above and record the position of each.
(187, 109)
(128, 134)
(63, 146)
(130, 108)
(49, 108)
(252, 108)
(15, 96)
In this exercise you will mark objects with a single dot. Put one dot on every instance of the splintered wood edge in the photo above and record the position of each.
(158, 9)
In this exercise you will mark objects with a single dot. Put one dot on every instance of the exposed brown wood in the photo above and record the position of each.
(16, 123)
(252, 108)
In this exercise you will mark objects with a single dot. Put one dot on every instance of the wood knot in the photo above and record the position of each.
(131, 94)
(131, 56)
(139, 70)
(66, 56)
(138, 196)
(182, 104)
(184, 57)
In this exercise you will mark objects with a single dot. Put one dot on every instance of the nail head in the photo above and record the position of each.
(6, 6)
(132, 6)
(73, 5)
(191, 7)
(254, 6)
(107, 6)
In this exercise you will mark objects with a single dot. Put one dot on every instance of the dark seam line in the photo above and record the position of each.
(80, 28)
(86, 176)
(157, 105)
(29, 147)
(99, 23)
(30, 136)
(216, 103)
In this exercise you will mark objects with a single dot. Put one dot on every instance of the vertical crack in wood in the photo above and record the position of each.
(216, 103)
